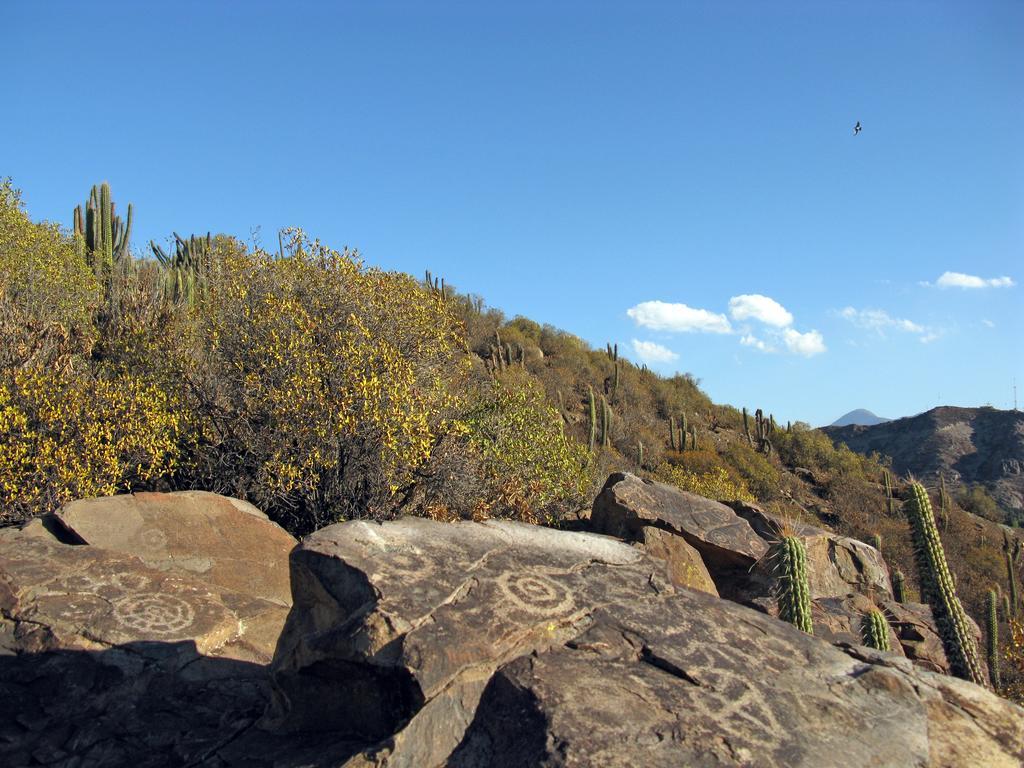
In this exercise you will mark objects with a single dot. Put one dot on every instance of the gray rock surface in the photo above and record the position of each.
(563, 649)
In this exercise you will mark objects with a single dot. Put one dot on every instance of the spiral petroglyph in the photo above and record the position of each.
(535, 593)
(154, 613)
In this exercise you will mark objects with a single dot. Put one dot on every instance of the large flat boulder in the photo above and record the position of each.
(224, 541)
(693, 681)
(498, 644)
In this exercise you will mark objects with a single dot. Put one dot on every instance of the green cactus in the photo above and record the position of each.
(693, 438)
(104, 238)
(593, 419)
(640, 454)
(606, 423)
(792, 588)
(992, 646)
(746, 427)
(899, 587)
(888, 493)
(615, 376)
(672, 432)
(763, 427)
(1012, 553)
(874, 629)
(187, 270)
(938, 590)
(876, 542)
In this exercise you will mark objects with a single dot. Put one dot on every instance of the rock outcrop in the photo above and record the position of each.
(498, 644)
(417, 644)
(733, 540)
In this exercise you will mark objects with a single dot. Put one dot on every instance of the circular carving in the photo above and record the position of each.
(535, 593)
(154, 613)
(154, 538)
(130, 582)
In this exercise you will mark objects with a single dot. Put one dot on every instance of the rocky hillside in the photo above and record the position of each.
(151, 630)
(964, 445)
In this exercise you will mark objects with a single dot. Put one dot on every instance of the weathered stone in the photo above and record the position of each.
(683, 563)
(226, 542)
(836, 565)
(726, 542)
(387, 617)
(694, 681)
(591, 660)
(838, 620)
(919, 637)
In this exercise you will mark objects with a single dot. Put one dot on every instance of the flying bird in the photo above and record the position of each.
(856, 128)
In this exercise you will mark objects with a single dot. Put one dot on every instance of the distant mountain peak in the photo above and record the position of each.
(861, 417)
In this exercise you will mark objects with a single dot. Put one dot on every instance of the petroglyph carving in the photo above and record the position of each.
(535, 593)
(154, 613)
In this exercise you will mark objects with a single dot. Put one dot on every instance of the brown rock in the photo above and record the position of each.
(589, 659)
(919, 637)
(694, 681)
(226, 542)
(726, 542)
(683, 563)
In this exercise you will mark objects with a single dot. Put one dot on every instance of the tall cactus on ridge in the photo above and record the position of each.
(592, 413)
(992, 639)
(792, 587)
(888, 493)
(1012, 556)
(104, 236)
(938, 590)
(874, 630)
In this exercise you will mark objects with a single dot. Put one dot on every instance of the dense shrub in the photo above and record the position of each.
(65, 436)
(323, 386)
(533, 470)
(47, 292)
(714, 483)
(976, 499)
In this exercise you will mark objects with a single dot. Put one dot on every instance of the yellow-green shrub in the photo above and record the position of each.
(534, 470)
(47, 293)
(325, 386)
(64, 436)
(713, 484)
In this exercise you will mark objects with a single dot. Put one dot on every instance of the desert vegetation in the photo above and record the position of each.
(322, 389)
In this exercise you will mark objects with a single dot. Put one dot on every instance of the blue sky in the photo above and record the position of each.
(679, 175)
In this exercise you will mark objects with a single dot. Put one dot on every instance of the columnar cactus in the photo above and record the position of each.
(104, 236)
(899, 587)
(606, 423)
(992, 647)
(188, 268)
(792, 588)
(1012, 553)
(640, 454)
(888, 493)
(672, 432)
(746, 427)
(876, 542)
(592, 412)
(938, 590)
(874, 629)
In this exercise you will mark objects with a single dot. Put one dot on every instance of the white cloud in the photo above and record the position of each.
(877, 319)
(750, 340)
(806, 344)
(650, 352)
(757, 307)
(988, 323)
(960, 280)
(679, 318)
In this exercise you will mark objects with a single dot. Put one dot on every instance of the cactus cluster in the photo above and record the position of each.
(874, 630)
(437, 285)
(102, 235)
(792, 587)
(763, 428)
(937, 587)
(187, 269)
